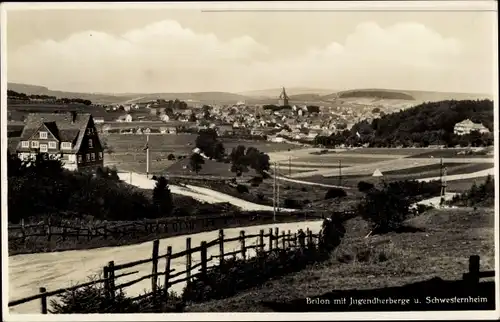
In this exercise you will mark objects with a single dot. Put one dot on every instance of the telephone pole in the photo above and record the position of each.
(274, 192)
(147, 155)
(278, 193)
(340, 172)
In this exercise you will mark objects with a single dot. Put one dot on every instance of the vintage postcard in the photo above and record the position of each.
(249, 161)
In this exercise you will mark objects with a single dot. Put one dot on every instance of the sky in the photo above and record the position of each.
(188, 50)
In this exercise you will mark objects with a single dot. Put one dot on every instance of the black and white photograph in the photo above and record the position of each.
(216, 160)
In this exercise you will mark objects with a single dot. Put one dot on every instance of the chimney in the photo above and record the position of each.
(73, 117)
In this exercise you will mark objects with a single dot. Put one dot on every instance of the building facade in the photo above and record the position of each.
(283, 98)
(69, 137)
(467, 126)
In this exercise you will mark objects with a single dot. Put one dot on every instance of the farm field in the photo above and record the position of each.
(453, 186)
(382, 261)
(454, 153)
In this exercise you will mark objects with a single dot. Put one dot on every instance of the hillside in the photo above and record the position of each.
(422, 125)
(41, 90)
(274, 92)
(375, 93)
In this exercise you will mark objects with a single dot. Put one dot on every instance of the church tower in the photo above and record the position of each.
(283, 99)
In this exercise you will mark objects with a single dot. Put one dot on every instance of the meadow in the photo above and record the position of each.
(380, 261)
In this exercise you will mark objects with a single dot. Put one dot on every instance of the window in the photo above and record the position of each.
(91, 145)
(92, 156)
(52, 145)
(34, 144)
(43, 135)
(88, 157)
(80, 159)
(100, 155)
(43, 148)
(66, 145)
(25, 144)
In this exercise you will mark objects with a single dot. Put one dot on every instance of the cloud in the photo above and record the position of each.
(165, 56)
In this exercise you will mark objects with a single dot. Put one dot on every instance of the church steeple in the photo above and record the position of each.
(283, 98)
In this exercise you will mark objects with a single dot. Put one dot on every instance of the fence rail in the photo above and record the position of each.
(275, 241)
(174, 226)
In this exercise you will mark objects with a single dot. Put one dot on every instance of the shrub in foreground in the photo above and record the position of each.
(236, 275)
(333, 193)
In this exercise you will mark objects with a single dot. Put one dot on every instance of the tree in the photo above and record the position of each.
(333, 193)
(384, 209)
(206, 141)
(364, 186)
(238, 160)
(257, 160)
(192, 117)
(162, 197)
(195, 162)
(219, 151)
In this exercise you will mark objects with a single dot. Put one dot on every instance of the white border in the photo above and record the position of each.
(234, 6)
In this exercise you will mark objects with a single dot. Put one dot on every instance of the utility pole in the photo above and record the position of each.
(274, 193)
(147, 155)
(340, 172)
(278, 193)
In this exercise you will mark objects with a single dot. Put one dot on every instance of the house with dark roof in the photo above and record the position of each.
(70, 137)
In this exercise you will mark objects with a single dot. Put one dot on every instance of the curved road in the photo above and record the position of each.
(29, 272)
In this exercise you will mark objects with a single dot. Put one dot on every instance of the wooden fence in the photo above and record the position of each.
(165, 226)
(265, 243)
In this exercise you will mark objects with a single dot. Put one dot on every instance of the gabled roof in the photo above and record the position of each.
(63, 126)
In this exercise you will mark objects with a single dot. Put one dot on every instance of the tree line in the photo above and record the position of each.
(420, 126)
(23, 96)
(241, 158)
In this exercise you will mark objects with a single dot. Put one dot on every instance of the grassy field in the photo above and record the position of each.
(409, 174)
(389, 151)
(454, 153)
(441, 250)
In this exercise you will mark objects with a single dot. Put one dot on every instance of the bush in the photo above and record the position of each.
(384, 209)
(171, 157)
(93, 299)
(333, 193)
(477, 195)
(237, 275)
(292, 203)
(364, 186)
(242, 188)
(303, 189)
(46, 188)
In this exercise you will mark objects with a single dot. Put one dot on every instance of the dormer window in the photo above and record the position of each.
(43, 135)
(91, 145)
(66, 145)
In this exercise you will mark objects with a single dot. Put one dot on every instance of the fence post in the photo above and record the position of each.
(111, 278)
(277, 235)
(295, 243)
(89, 234)
(242, 242)
(283, 239)
(78, 234)
(289, 238)
(309, 238)
(203, 255)
(261, 241)
(106, 282)
(473, 275)
(270, 239)
(167, 272)
(188, 258)
(49, 230)
(154, 272)
(23, 232)
(302, 239)
(221, 246)
(43, 300)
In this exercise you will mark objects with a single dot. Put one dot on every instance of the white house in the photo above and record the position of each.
(124, 118)
(467, 126)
